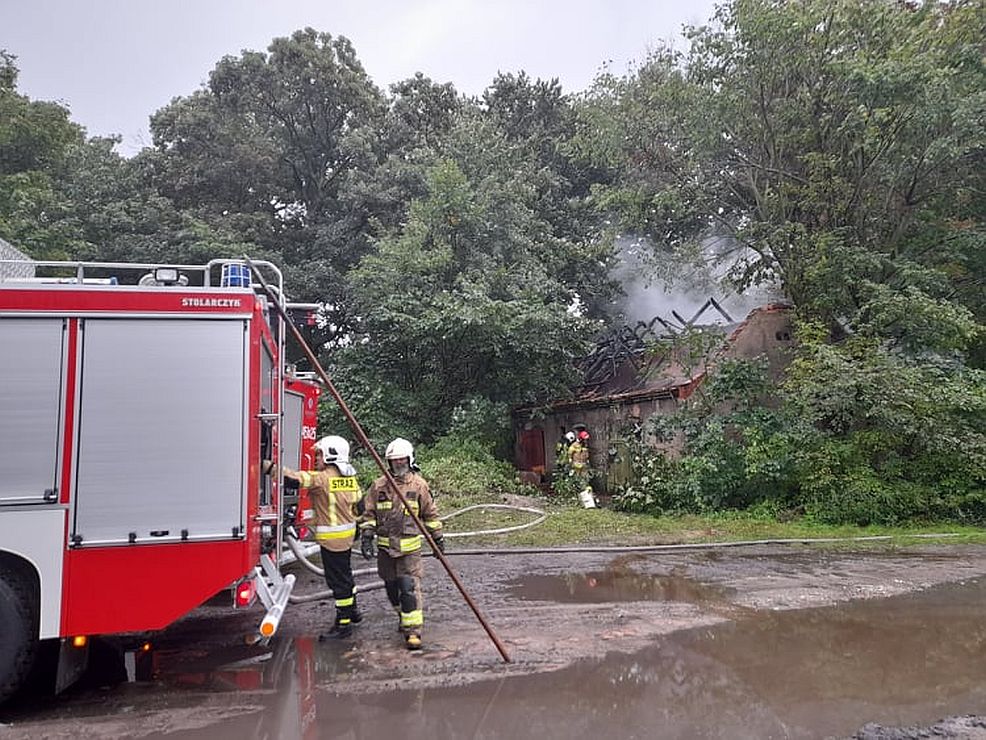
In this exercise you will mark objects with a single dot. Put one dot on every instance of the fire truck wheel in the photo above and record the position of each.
(18, 638)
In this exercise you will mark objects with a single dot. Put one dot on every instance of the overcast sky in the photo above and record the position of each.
(114, 62)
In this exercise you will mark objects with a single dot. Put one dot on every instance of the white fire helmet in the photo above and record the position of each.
(400, 448)
(333, 449)
(570, 437)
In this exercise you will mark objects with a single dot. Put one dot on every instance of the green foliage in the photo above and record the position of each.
(465, 468)
(735, 453)
(862, 435)
(837, 145)
(462, 304)
(35, 139)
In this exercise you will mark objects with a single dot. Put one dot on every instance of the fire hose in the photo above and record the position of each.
(302, 553)
(299, 552)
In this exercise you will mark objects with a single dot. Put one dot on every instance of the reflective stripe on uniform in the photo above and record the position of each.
(335, 532)
(407, 544)
(345, 602)
(435, 524)
(305, 479)
(412, 619)
(388, 505)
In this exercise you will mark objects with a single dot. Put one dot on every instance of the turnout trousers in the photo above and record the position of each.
(338, 569)
(402, 580)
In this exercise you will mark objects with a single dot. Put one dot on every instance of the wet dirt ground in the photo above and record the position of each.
(759, 642)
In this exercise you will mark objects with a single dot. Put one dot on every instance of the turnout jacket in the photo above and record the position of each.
(385, 514)
(334, 493)
(578, 455)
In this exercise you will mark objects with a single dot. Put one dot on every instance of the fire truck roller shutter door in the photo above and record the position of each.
(161, 429)
(291, 429)
(31, 370)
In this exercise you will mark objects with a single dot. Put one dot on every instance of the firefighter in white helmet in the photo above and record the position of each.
(335, 492)
(398, 538)
(561, 450)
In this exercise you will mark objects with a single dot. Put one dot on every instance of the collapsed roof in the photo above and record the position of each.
(662, 357)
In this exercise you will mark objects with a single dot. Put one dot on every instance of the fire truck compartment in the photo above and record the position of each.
(32, 366)
(294, 406)
(160, 457)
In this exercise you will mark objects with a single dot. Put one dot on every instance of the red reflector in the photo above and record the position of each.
(245, 593)
(302, 532)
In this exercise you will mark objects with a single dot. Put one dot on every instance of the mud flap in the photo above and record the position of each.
(72, 662)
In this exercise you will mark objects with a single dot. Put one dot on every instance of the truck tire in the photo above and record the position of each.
(19, 636)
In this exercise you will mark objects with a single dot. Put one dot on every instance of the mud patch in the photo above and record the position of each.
(616, 586)
(965, 727)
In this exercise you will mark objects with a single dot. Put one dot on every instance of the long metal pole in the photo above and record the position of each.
(365, 441)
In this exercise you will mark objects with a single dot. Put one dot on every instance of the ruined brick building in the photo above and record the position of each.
(638, 372)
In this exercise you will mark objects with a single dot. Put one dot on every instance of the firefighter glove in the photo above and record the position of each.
(439, 541)
(366, 544)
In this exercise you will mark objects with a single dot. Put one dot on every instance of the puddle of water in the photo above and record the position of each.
(616, 586)
(808, 673)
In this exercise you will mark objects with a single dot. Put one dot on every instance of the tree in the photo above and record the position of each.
(464, 302)
(538, 118)
(280, 149)
(836, 145)
(35, 138)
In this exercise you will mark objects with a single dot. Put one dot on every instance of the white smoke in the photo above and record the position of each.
(656, 285)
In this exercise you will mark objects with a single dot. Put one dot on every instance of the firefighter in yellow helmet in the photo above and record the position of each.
(399, 552)
(335, 492)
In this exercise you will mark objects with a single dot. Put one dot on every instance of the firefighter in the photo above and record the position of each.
(561, 450)
(335, 493)
(578, 454)
(399, 552)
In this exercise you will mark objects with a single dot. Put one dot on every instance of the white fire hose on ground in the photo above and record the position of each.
(296, 551)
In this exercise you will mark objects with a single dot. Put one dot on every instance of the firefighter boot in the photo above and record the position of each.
(355, 615)
(412, 641)
(339, 631)
(343, 626)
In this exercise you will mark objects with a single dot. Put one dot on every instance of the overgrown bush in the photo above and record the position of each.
(465, 467)
(456, 468)
(860, 434)
(735, 452)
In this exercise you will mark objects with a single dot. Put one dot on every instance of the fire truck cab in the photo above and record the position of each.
(141, 409)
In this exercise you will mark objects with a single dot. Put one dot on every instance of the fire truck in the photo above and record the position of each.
(145, 413)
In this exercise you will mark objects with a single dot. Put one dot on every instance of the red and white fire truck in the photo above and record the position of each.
(138, 406)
